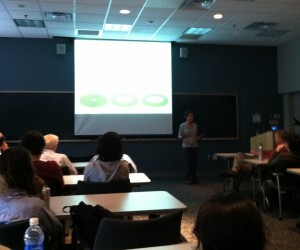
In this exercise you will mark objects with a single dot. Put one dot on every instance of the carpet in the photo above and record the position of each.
(281, 234)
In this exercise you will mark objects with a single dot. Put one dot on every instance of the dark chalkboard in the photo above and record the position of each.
(45, 112)
(215, 114)
(53, 112)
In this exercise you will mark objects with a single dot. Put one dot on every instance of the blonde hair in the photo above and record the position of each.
(51, 141)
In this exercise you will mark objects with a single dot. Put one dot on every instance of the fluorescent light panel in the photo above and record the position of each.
(117, 27)
(197, 31)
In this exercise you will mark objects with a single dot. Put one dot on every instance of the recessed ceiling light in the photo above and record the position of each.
(124, 12)
(218, 16)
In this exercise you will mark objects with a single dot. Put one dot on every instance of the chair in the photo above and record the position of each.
(114, 234)
(65, 170)
(11, 234)
(283, 186)
(229, 179)
(55, 187)
(84, 187)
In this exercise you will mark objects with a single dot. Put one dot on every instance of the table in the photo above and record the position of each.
(123, 204)
(80, 165)
(295, 171)
(227, 156)
(228, 183)
(259, 164)
(135, 179)
(179, 246)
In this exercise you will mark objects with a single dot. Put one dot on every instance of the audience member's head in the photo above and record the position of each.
(281, 136)
(51, 141)
(17, 171)
(229, 221)
(293, 143)
(109, 147)
(34, 141)
(3, 144)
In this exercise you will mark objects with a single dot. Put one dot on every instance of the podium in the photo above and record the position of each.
(266, 139)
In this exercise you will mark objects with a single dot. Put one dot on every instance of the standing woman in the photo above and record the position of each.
(188, 133)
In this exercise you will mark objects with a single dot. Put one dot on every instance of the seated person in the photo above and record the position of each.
(229, 221)
(19, 192)
(49, 154)
(132, 165)
(107, 165)
(49, 171)
(289, 158)
(241, 168)
(3, 144)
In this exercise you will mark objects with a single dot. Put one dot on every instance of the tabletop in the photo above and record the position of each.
(179, 246)
(123, 204)
(135, 179)
(257, 162)
(295, 171)
(225, 155)
(80, 164)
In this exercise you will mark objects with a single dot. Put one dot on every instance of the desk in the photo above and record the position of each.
(135, 179)
(259, 164)
(123, 204)
(295, 171)
(227, 156)
(80, 165)
(179, 246)
(228, 183)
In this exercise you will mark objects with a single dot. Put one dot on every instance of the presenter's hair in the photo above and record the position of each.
(186, 113)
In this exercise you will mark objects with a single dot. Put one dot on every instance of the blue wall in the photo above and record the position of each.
(250, 72)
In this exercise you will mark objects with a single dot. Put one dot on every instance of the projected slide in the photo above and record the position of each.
(123, 86)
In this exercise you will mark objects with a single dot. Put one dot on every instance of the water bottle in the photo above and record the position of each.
(34, 236)
(260, 152)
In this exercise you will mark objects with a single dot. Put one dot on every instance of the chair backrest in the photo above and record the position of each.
(55, 187)
(11, 234)
(65, 170)
(84, 187)
(114, 234)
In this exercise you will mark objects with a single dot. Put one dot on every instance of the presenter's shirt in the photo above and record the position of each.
(191, 135)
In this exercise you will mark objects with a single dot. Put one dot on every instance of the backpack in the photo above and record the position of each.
(86, 220)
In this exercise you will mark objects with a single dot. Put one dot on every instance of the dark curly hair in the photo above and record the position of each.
(17, 170)
(34, 141)
(109, 147)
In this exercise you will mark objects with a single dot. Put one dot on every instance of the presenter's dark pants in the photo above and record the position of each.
(191, 159)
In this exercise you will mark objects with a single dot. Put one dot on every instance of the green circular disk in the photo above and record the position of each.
(124, 100)
(93, 100)
(155, 100)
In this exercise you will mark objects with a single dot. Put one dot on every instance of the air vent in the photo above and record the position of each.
(58, 16)
(197, 4)
(29, 23)
(88, 32)
(273, 33)
(261, 26)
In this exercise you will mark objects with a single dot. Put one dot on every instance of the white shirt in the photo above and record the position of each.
(61, 159)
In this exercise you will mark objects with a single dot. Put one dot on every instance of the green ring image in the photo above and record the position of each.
(155, 100)
(93, 100)
(124, 100)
